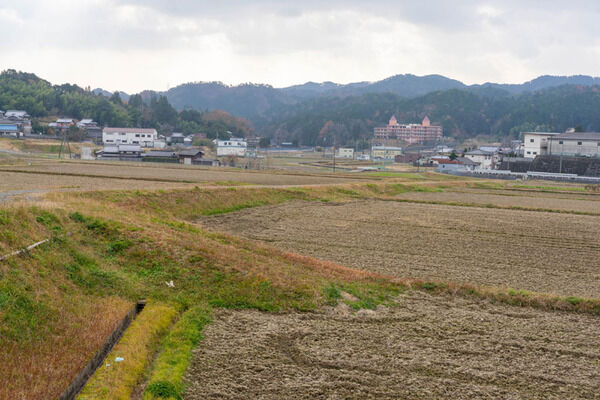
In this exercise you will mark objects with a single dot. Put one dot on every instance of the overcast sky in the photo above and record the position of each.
(133, 45)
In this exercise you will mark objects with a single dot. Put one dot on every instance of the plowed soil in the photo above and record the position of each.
(424, 348)
(174, 173)
(537, 251)
(548, 201)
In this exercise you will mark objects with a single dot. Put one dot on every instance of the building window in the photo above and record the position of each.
(137, 135)
(528, 152)
(535, 152)
(532, 140)
(560, 142)
(579, 143)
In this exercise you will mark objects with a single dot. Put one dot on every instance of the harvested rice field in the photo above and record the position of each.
(525, 250)
(21, 185)
(425, 347)
(172, 172)
(549, 201)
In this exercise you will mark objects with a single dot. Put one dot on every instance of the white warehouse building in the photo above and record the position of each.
(536, 143)
(136, 136)
(231, 147)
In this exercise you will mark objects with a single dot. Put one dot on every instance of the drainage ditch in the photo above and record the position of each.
(86, 373)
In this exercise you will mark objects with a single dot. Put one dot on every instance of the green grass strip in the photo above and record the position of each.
(117, 379)
(166, 380)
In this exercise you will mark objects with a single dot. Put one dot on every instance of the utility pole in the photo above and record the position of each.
(64, 144)
(561, 158)
(334, 157)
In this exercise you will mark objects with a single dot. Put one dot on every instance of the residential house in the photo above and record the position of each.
(9, 128)
(64, 123)
(408, 158)
(160, 156)
(121, 152)
(91, 128)
(460, 164)
(484, 159)
(344, 152)
(134, 136)
(231, 147)
(385, 152)
(16, 115)
(87, 123)
(176, 138)
(20, 118)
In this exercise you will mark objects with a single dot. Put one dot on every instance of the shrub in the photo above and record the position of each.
(118, 246)
(163, 390)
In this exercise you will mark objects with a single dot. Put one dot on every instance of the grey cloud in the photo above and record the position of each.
(481, 38)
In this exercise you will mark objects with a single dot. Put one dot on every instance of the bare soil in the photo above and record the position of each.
(549, 201)
(424, 348)
(179, 173)
(537, 251)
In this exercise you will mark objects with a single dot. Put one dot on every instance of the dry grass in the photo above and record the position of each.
(117, 380)
(143, 239)
(43, 367)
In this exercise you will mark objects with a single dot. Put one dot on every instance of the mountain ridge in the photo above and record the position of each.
(252, 101)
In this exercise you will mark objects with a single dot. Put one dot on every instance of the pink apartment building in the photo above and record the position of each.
(409, 133)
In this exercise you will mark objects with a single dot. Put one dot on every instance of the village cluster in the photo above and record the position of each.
(566, 155)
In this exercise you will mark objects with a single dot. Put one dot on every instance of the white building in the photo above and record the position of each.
(87, 123)
(16, 114)
(484, 158)
(231, 147)
(385, 152)
(135, 136)
(536, 143)
(344, 152)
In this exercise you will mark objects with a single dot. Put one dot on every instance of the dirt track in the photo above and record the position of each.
(426, 348)
(538, 251)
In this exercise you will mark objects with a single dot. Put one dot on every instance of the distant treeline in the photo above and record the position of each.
(328, 117)
(463, 114)
(324, 113)
(25, 91)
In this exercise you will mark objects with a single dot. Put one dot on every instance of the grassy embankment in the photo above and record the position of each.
(58, 303)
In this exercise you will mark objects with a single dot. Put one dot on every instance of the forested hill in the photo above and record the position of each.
(462, 113)
(255, 101)
(25, 91)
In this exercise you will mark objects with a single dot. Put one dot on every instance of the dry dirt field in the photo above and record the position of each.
(424, 348)
(177, 173)
(537, 251)
(28, 185)
(552, 201)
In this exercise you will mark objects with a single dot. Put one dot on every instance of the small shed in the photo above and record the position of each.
(190, 157)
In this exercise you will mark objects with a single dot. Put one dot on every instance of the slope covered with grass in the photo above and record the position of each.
(107, 250)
